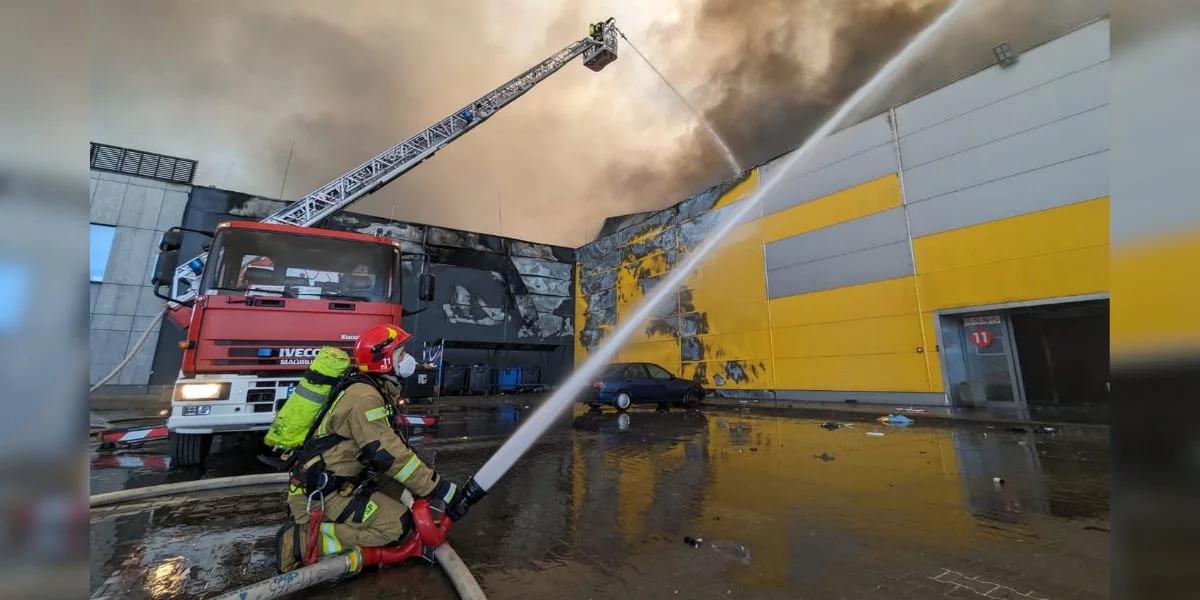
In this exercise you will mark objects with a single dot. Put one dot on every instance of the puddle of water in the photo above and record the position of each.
(601, 508)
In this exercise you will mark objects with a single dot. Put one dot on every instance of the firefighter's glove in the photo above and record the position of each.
(446, 498)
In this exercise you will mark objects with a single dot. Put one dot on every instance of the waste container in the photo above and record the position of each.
(479, 379)
(454, 379)
(531, 376)
(508, 379)
(422, 384)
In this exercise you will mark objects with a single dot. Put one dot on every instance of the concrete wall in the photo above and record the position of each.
(123, 304)
(990, 190)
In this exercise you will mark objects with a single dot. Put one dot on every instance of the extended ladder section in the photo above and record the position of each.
(599, 49)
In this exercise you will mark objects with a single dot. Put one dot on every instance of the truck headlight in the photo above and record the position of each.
(202, 391)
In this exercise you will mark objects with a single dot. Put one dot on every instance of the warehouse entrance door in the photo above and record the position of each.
(1050, 359)
(981, 360)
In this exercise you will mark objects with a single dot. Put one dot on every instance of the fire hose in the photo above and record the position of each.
(136, 346)
(326, 569)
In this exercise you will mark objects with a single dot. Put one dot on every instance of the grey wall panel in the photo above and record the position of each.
(1043, 104)
(1080, 135)
(839, 146)
(864, 266)
(879, 229)
(1078, 50)
(1080, 179)
(861, 168)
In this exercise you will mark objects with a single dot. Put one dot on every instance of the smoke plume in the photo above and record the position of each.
(775, 69)
(235, 84)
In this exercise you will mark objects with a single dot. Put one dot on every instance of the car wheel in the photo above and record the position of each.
(691, 398)
(623, 401)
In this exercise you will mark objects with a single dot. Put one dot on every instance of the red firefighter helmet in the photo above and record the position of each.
(376, 347)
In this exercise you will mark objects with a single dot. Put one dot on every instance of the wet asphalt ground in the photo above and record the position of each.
(777, 507)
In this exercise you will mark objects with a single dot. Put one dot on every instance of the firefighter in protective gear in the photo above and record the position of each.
(348, 476)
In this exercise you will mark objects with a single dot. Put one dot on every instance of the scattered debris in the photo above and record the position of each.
(716, 518)
(754, 449)
(895, 420)
(824, 456)
(998, 480)
(1021, 443)
(830, 425)
(911, 409)
(1046, 429)
(693, 541)
(875, 433)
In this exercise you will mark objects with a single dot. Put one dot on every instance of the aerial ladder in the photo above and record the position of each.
(598, 49)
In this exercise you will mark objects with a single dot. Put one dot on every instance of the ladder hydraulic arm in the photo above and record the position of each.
(598, 49)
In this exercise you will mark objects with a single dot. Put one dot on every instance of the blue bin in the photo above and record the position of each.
(509, 379)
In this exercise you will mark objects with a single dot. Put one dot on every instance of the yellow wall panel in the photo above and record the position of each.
(851, 203)
(651, 265)
(933, 357)
(628, 290)
(731, 315)
(740, 345)
(580, 308)
(875, 372)
(879, 335)
(1062, 229)
(739, 191)
(1077, 272)
(875, 299)
(757, 374)
(663, 352)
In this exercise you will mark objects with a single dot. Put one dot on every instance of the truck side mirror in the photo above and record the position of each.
(164, 269)
(172, 239)
(426, 283)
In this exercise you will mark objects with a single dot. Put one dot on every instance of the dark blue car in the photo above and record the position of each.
(622, 385)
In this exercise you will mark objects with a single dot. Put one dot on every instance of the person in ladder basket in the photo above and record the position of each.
(348, 475)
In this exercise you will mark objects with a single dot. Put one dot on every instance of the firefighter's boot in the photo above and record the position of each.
(289, 548)
(408, 547)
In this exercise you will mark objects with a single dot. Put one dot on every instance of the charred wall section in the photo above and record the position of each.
(692, 334)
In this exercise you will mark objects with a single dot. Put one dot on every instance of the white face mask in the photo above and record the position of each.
(404, 365)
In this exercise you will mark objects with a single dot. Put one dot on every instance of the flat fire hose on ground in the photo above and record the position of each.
(326, 569)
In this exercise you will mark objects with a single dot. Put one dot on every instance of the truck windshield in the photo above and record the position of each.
(271, 263)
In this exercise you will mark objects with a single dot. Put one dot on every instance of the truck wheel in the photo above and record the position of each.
(189, 449)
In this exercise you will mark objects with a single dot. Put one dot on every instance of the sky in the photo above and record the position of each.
(239, 86)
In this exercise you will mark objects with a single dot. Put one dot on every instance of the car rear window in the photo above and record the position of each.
(635, 372)
(657, 372)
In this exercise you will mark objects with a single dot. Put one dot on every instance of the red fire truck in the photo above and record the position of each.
(266, 296)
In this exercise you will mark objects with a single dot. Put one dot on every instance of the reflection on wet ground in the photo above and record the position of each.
(777, 508)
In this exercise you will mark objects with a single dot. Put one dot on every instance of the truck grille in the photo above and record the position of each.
(262, 400)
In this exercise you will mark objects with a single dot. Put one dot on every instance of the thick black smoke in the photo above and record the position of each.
(769, 87)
